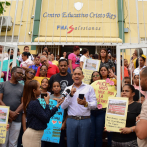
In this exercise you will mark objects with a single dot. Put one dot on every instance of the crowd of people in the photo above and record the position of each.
(83, 123)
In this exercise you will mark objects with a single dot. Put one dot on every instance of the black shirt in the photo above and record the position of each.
(37, 116)
(63, 80)
(108, 64)
(134, 110)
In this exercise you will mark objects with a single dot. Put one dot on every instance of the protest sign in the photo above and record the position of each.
(89, 66)
(6, 62)
(4, 113)
(39, 79)
(103, 89)
(52, 132)
(116, 113)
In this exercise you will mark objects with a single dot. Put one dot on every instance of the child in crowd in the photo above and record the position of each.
(56, 88)
(45, 86)
(43, 71)
(142, 99)
(36, 64)
(136, 84)
(26, 61)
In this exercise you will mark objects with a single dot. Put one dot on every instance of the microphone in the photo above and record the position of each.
(66, 92)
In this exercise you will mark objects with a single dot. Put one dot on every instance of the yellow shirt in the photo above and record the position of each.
(55, 62)
(134, 61)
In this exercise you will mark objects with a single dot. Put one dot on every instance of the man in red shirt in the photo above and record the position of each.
(52, 69)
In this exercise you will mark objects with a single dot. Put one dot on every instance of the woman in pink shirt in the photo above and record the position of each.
(73, 59)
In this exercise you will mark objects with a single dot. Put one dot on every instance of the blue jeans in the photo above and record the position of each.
(97, 127)
(78, 132)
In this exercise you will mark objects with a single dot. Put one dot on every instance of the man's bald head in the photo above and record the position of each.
(143, 79)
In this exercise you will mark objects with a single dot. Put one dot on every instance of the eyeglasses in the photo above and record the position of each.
(43, 62)
(95, 76)
(32, 73)
(20, 73)
(43, 70)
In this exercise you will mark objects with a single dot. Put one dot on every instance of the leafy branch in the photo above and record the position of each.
(2, 5)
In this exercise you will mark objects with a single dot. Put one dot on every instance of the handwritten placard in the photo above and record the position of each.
(52, 132)
(89, 66)
(116, 113)
(39, 79)
(103, 89)
(4, 113)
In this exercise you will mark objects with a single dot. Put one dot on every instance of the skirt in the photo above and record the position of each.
(125, 144)
(32, 138)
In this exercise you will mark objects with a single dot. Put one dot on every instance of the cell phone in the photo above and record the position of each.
(43, 95)
(81, 96)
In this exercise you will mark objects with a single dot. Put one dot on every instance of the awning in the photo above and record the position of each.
(78, 39)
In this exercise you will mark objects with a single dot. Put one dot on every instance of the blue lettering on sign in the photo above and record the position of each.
(91, 15)
(62, 27)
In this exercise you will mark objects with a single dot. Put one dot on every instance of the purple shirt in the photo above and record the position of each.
(5, 75)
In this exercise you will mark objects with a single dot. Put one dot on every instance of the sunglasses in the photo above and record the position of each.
(95, 76)
(43, 62)
(43, 70)
(32, 73)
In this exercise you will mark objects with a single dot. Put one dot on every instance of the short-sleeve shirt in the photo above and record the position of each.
(134, 110)
(34, 67)
(143, 115)
(108, 64)
(12, 94)
(75, 60)
(82, 58)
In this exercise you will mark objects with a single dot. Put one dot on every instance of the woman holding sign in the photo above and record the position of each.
(37, 116)
(98, 115)
(127, 136)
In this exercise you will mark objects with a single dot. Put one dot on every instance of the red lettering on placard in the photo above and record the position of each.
(111, 93)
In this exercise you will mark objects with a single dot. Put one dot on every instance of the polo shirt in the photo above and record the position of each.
(52, 70)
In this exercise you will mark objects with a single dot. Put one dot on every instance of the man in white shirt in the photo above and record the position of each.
(78, 122)
(84, 56)
(26, 49)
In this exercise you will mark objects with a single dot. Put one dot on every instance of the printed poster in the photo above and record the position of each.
(89, 66)
(116, 113)
(103, 89)
(4, 114)
(52, 132)
(39, 79)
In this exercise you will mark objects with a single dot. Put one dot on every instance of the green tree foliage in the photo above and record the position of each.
(2, 5)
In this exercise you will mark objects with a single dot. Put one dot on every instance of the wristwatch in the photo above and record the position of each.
(86, 105)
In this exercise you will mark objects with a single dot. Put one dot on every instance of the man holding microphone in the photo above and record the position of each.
(79, 102)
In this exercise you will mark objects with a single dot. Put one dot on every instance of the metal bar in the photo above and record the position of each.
(130, 63)
(122, 66)
(15, 56)
(67, 19)
(8, 65)
(14, 20)
(137, 21)
(118, 71)
(129, 20)
(2, 62)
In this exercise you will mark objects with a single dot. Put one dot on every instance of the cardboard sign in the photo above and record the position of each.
(52, 132)
(103, 89)
(116, 113)
(39, 79)
(89, 66)
(4, 113)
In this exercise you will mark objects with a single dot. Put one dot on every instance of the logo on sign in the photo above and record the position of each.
(78, 6)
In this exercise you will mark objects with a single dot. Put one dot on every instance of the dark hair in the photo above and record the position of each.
(52, 53)
(45, 47)
(18, 50)
(121, 62)
(84, 50)
(57, 82)
(91, 80)
(26, 47)
(131, 87)
(100, 70)
(43, 79)
(76, 48)
(114, 56)
(143, 58)
(42, 66)
(37, 57)
(61, 60)
(144, 71)
(68, 53)
(11, 64)
(26, 71)
(109, 50)
(79, 69)
(95, 56)
(14, 69)
(45, 52)
(106, 58)
(26, 54)
(28, 94)
(9, 50)
(126, 78)
(142, 95)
